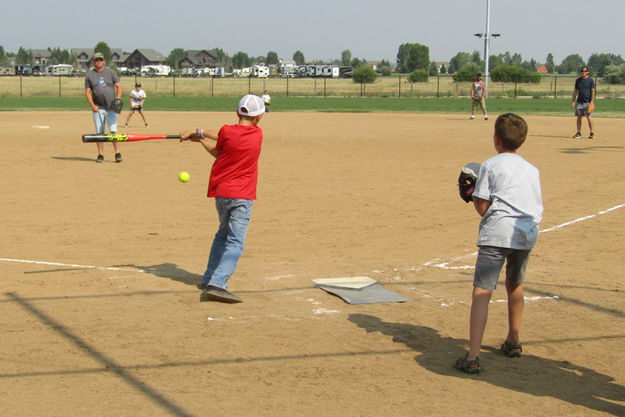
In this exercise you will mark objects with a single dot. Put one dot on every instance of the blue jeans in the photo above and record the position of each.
(234, 217)
(103, 117)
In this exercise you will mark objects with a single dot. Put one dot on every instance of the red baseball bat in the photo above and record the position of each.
(124, 137)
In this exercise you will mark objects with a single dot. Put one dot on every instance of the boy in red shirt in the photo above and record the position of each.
(232, 182)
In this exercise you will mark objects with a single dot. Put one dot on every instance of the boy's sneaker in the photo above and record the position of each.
(219, 294)
(592, 136)
(146, 125)
(577, 136)
(201, 286)
(100, 158)
(485, 117)
(118, 157)
(472, 117)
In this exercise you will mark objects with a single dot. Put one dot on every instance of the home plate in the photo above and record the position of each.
(359, 290)
(41, 127)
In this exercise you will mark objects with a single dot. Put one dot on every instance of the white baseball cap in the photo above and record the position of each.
(251, 105)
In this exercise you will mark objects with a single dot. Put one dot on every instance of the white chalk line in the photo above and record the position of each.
(445, 265)
(107, 268)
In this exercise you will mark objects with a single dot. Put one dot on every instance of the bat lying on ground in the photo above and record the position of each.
(124, 137)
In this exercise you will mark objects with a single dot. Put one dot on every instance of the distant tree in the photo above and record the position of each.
(346, 57)
(598, 62)
(467, 73)
(614, 74)
(443, 69)
(458, 61)
(433, 69)
(175, 57)
(551, 66)
(298, 57)
(272, 58)
(418, 76)
(571, 64)
(105, 50)
(60, 56)
(3, 58)
(364, 74)
(494, 61)
(513, 73)
(241, 60)
(24, 57)
(530, 65)
(357, 62)
(476, 57)
(384, 68)
(411, 56)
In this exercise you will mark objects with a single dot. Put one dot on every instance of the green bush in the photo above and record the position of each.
(614, 74)
(467, 73)
(364, 74)
(510, 73)
(418, 76)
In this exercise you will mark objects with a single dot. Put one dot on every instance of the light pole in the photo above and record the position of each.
(487, 35)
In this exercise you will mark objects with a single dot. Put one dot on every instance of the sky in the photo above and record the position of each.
(321, 29)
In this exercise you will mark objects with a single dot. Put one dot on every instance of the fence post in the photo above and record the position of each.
(174, 85)
(249, 84)
(324, 87)
(515, 84)
(59, 86)
(555, 87)
(399, 87)
(287, 86)
(438, 83)
(213, 86)
(21, 91)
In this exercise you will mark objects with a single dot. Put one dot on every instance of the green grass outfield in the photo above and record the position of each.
(548, 107)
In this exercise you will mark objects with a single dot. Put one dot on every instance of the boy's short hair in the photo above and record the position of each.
(511, 130)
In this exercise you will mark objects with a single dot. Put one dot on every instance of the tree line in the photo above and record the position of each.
(412, 59)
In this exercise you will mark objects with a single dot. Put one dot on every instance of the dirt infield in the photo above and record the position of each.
(101, 317)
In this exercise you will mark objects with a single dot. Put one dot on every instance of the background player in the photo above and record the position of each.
(137, 100)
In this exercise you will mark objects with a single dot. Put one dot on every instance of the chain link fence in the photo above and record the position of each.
(553, 86)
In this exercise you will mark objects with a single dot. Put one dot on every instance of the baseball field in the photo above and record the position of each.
(99, 262)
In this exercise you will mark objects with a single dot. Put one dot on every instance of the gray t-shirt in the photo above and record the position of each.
(102, 85)
(512, 185)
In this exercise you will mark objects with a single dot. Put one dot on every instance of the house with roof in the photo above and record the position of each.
(84, 56)
(199, 59)
(40, 56)
(142, 57)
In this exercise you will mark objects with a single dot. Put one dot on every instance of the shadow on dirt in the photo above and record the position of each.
(529, 374)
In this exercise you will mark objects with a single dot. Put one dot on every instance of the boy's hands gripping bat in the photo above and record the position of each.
(124, 137)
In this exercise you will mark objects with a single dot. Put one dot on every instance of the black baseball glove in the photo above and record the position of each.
(467, 179)
(117, 105)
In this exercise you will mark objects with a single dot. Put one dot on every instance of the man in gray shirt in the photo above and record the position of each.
(102, 87)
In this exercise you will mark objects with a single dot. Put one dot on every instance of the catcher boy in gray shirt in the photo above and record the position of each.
(508, 197)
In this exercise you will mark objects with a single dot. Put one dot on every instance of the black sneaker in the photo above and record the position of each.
(592, 136)
(201, 286)
(219, 294)
(118, 157)
(577, 136)
(100, 158)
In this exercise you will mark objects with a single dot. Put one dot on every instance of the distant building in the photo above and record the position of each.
(84, 57)
(542, 69)
(199, 59)
(40, 56)
(142, 57)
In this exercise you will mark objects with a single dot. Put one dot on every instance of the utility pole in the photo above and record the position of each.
(487, 35)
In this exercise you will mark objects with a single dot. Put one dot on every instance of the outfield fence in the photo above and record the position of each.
(556, 86)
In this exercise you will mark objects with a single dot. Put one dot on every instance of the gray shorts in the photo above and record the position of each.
(581, 109)
(490, 260)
